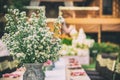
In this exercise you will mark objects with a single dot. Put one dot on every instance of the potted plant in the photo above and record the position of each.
(105, 49)
(30, 40)
(109, 50)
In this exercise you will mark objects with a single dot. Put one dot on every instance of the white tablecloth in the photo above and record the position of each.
(58, 73)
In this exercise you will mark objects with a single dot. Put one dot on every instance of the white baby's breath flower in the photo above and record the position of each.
(19, 55)
(29, 37)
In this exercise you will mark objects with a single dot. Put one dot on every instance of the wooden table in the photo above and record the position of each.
(80, 77)
(83, 59)
(74, 71)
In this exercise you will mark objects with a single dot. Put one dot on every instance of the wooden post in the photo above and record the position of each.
(99, 33)
(114, 8)
(101, 8)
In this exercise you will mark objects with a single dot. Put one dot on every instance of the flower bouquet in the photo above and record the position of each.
(30, 41)
(28, 38)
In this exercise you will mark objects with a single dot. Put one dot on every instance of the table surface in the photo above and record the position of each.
(58, 73)
(80, 77)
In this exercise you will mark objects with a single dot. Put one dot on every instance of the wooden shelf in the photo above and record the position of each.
(78, 8)
(93, 20)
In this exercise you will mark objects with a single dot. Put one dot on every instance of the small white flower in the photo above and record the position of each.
(20, 55)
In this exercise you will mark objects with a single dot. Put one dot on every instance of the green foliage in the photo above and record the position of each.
(109, 48)
(67, 41)
(105, 48)
(90, 66)
(19, 4)
(94, 50)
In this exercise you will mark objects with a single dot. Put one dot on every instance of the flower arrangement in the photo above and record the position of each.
(28, 38)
